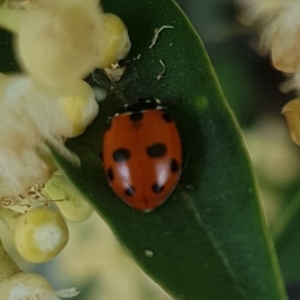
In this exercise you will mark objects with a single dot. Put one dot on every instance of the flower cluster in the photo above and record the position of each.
(279, 25)
(16, 285)
(57, 43)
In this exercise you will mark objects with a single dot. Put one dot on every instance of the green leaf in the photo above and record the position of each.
(287, 238)
(209, 240)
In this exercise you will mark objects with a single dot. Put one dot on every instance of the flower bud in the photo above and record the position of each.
(291, 111)
(58, 41)
(285, 38)
(40, 234)
(32, 286)
(116, 43)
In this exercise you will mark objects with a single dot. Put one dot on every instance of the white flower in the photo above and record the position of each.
(30, 286)
(16, 285)
(280, 26)
(291, 111)
(258, 10)
(58, 41)
(284, 32)
(30, 115)
(116, 43)
(39, 234)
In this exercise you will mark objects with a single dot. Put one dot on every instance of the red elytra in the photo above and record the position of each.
(142, 155)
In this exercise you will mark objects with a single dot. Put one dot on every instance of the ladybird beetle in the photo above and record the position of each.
(142, 154)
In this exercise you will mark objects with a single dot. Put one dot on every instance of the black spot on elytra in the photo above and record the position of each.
(174, 165)
(121, 154)
(130, 191)
(157, 150)
(110, 174)
(136, 116)
(167, 117)
(157, 188)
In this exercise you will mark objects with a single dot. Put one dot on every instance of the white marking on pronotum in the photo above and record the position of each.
(157, 31)
(160, 75)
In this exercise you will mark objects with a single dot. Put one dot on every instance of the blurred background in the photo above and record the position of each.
(93, 261)
(252, 89)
